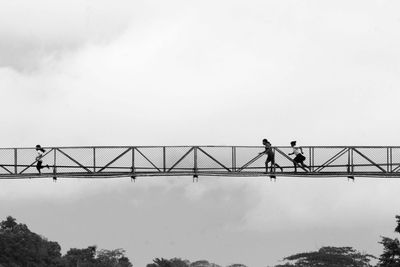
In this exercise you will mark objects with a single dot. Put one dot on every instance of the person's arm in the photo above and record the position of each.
(301, 150)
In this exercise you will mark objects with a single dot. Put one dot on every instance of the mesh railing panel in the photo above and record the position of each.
(219, 160)
(7, 161)
(179, 159)
(74, 160)
(214, 158)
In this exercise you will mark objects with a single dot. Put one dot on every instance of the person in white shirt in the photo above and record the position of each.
(299, 158)
(39, 158)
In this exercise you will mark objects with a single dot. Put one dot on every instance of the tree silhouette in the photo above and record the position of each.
(330, 256)
(391, 249)
(89, 257)
(21, 247)
(157, 262)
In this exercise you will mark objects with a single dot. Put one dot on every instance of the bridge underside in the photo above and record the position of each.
(224, 161)
(200, 174)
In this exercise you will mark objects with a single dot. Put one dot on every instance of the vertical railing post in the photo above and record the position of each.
(133, 160)
(233, 159)
(313, 158)
(387, 159)
(15, 161)
(310, 158)
(195, 160)
(349, 160)
(164, 159)
(352, 159)
(391, 159)
(55, 163)
(94, 159)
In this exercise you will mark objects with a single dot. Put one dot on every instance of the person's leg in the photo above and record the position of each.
(277, 165)
(272, 164)
(266, 165)
(304, 165)
(39, 166)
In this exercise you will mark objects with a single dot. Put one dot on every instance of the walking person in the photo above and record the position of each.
(39, 158)
(270, 156)
(299, 158)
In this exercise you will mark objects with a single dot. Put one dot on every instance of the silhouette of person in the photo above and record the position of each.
(270, 155)
(299, 158)
(39, 158)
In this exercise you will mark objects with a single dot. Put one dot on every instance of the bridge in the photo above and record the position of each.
(195, 161)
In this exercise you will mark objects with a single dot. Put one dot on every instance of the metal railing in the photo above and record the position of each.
(135, 161)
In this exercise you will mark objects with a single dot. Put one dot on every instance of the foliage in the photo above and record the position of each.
(113, 258)
(80, 257)
(330, 256)
(203, 263)
(21, 247)
(391, 249)
(89, 257)
(157, 262)
(176, 262)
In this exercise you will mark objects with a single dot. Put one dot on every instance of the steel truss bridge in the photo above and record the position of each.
(228, 161)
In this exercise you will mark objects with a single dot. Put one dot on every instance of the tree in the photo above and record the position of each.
(203, 263)
(113, 258)
(174, 262)
(330, 256)
(21, 247)
(80, 257)
(391, 249)
(8, 224)
(90, 257)
(157, 262)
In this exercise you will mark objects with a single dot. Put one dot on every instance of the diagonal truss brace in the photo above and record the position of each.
(369, 160)
(74, 160)
(6, 169)
(147, 159)
(250, 162)
(182, 158)
(114, 160)
(332, 159)
(211, 157)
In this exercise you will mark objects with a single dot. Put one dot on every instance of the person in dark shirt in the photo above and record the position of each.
(270, 156)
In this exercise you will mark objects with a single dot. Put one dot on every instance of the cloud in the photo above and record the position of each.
(31, 31)
(301, 205)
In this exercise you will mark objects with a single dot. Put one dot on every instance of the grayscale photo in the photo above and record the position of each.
(199, 133)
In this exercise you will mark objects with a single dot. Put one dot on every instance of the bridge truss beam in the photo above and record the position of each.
(228, 161)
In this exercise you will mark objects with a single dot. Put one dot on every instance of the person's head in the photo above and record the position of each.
(265, 141)
(293, 143)
(38, 147)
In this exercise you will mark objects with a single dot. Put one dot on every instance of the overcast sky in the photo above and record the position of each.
(192, 73)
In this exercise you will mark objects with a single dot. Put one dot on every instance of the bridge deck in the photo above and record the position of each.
(229, 161)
